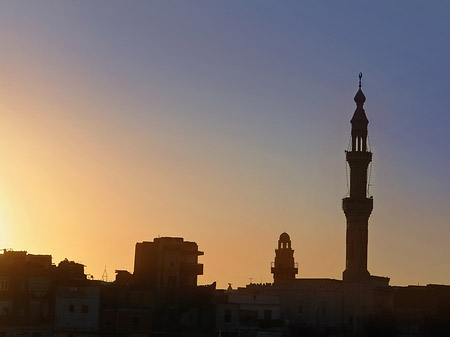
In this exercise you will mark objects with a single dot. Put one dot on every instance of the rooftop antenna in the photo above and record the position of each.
(105, 275)
(360, 77)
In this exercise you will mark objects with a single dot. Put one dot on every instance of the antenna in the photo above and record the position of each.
(105, 275)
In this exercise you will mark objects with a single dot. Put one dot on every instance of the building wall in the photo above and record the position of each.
(166, 263)
(76, 309)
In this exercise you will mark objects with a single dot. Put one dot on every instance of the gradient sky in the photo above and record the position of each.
(224, 123)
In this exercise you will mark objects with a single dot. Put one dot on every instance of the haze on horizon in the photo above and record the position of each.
(226, 124)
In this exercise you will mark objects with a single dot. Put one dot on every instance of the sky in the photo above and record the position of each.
(224, 123)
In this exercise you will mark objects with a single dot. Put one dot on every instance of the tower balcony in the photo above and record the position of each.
(357, 205)
(358, 157)
(274, 269)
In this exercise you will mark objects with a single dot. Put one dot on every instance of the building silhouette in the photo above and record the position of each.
(166, 263)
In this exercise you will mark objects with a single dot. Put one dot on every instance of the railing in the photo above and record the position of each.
(273, 266)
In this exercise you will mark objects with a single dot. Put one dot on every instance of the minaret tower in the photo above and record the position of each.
(284, 269)
(358, 206)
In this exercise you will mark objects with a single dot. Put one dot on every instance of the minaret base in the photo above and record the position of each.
(356, 276)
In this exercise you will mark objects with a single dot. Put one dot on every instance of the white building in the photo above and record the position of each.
(76, 311)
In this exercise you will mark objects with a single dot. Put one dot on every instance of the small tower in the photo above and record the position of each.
(358, 207)
(284, 268)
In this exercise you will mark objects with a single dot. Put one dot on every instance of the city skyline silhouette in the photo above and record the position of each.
(226, 125)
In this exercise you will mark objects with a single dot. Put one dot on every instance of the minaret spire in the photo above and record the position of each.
(358, 207)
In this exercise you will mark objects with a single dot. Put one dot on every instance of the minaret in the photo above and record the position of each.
(284, 269)
(358, 206)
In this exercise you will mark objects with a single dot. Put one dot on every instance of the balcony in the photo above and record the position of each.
(283, 270)
(193, 268)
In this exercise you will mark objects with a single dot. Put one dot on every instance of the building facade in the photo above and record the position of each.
(167, 263)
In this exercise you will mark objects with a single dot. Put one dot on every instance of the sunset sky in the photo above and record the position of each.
(224, 122)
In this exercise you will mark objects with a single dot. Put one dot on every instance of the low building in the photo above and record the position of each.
(250, 310)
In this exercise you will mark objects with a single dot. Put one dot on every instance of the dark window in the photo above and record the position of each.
(71, 308)
(136, 321)
(267, 315)
(36, 334)
(324, 310)
(227, 315)
(300, 309)
(84, 309)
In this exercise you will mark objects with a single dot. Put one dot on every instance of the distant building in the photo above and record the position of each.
(167, 263)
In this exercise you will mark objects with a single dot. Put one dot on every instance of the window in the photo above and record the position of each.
(71, 308)
(4, 283)
(84, 309)
(267, 315)
(136, 321)
(38, 284)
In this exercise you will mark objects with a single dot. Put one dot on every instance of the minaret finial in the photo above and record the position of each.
(359, 97)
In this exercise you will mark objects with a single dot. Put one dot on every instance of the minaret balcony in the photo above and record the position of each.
(357, 205)
(284, 269)
(362, 157)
